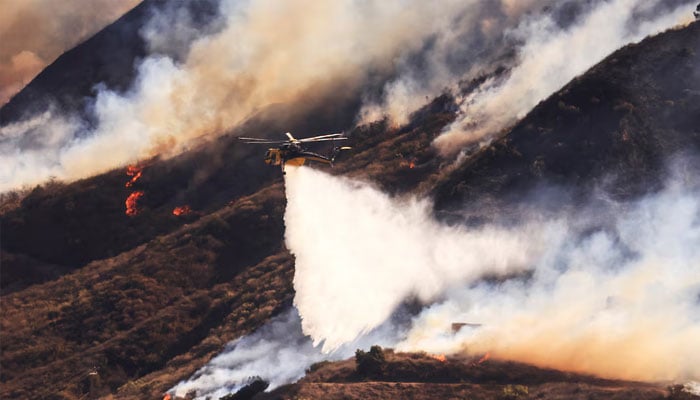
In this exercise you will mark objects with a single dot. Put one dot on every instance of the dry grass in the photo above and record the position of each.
(420, 376)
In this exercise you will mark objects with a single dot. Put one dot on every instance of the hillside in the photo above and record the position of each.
(107, 58)
(144, 301)
(615, 128)
(421, 376)
(216, 265)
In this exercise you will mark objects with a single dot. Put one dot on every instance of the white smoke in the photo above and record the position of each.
(692, 388)
(202, 82)
(278, 353)
(364, 253)
(265, 52)
(551, 57)
(620, 301)
(27, 148)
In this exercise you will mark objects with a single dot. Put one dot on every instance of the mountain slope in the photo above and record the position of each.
(158, 311)
(421, 376)
(616, 127)
(108, 58)
(149, 299)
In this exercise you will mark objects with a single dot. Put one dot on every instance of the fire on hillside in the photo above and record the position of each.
(135, 172)
(131, 206)
(182, 210)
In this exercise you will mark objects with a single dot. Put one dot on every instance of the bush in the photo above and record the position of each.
(372, 363)
(512, 392)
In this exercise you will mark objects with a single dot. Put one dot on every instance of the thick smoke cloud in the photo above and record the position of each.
(373, 252)
(36, 32)
(618, 300)
(615, 297)
(292, 53)
(550, 57)
(201, 82)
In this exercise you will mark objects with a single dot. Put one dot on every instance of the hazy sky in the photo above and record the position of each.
(33, 33)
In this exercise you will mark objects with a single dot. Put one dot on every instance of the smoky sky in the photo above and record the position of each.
(35, 32)
(202, 80)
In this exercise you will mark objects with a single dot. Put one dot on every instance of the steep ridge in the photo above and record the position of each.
(107, 58)
(615, 127)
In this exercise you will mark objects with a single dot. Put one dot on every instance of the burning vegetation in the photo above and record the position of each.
(135, 172)
(182, 210)
(484, 358)
(131, 203)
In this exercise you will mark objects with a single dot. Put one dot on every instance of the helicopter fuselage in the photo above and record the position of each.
(293, 155)
(292, 151)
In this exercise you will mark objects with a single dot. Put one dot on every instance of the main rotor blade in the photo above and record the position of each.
(332, 135)
(323, 139)
(262, 141)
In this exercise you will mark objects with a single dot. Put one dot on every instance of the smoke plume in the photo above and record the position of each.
(292, 52)
(373, 252)
(199, 82)
(36, 32)
(550, 56)
(620, 303)
(619, 300)
(278, 353)
(615, 297)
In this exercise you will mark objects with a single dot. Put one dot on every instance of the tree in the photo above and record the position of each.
(372, 363)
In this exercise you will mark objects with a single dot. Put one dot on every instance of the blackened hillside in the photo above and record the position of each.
(617, 127)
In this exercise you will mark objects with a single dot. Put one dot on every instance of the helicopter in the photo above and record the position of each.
(292, 151)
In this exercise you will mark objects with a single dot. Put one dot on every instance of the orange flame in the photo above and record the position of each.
(440, 357)
(484, 358)
(184, 210)
(135, 172)
(412, 164)
(167, 396)
(131, 207)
